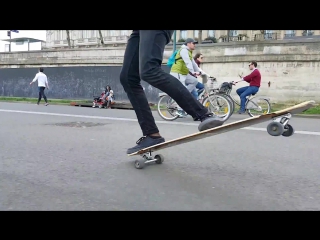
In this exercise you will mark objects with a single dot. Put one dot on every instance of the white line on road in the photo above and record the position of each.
(135, 120)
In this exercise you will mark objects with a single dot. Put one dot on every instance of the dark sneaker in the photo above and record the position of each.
(241, 112)
(196, 119)
(145, 142)
(208, 121)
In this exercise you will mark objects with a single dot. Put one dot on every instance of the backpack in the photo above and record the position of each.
(172, 59)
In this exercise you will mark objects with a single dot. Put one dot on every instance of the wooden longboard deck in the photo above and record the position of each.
(228, 127)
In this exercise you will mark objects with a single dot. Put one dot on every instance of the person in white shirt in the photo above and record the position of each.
(42, 85)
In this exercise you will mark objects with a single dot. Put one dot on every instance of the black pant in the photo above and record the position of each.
(142, 60)
(41, 94)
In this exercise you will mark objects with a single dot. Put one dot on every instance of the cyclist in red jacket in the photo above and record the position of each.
(254, 80)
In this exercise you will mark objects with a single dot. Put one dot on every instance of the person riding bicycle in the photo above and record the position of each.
(185, 69)
(198, 59)
(254, 80)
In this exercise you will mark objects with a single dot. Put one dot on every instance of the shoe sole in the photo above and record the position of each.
(210, 123)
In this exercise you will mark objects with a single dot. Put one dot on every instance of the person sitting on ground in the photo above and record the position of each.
(109, 96)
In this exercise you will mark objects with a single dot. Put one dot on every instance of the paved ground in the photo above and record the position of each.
(50, 161)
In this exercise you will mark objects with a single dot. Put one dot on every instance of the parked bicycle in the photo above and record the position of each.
(254, 105)
(218, 104)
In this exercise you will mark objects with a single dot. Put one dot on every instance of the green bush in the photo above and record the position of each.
(213, 39)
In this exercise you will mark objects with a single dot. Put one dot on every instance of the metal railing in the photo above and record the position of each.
(266, 36)
(233, 38)
(290, 35)
(307, 33)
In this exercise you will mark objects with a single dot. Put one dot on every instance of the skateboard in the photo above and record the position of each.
(279, 126)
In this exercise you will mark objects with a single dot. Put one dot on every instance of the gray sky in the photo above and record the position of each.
(38, 34)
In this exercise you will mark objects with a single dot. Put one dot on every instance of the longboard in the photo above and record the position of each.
(279, 126)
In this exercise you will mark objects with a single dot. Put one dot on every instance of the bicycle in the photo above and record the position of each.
(215, 103)
(211, 96)
(251, 105)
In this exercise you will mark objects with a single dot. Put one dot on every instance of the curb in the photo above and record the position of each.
(315, 116)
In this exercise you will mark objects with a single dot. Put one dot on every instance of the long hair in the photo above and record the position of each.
(197, 56)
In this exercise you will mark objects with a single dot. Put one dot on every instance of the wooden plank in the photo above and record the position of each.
(228, 127)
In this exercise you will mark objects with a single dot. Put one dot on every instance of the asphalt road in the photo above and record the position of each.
(74, 158)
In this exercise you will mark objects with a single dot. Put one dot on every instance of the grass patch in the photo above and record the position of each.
(280, 106)
(314, 110)
(34, 100)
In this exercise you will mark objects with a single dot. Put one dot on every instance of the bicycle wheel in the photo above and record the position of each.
(258, 106)
(226, 95)
(230, 100)
(219, 105)
(167, 108)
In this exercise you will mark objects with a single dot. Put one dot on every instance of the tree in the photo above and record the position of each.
(213, 39)
(200, 37)
(68, 38)
(228, 35)
(101, 37)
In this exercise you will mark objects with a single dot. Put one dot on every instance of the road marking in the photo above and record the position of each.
(135, 120)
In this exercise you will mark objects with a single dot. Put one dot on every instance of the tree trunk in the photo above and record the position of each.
(101, 37)
(200, 37)
(68, 38)
(228, 34)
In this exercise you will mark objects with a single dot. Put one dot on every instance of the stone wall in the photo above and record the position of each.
(290, 69)
(69, 82)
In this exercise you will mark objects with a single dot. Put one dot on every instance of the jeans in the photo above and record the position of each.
(187, 80)
(200, 87)
(244, 92)
(41, 94)
(142, 61)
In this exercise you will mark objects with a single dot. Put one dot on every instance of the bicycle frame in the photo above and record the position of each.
(234, 100)
(206, 91)
(238, 103)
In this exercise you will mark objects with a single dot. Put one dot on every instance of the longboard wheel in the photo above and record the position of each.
(159, 158)
(289, 131)
(139, 164)
(275, 129)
